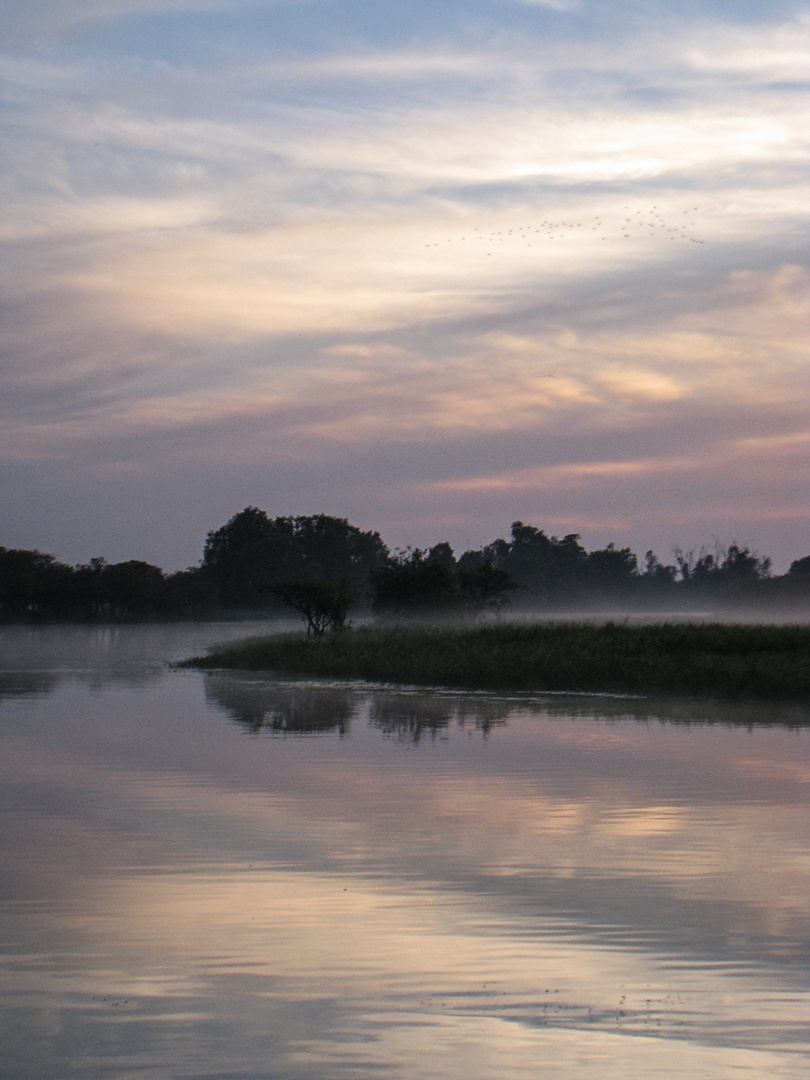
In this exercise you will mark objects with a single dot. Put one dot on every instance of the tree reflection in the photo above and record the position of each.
(27, 684)
(413, 717)
(408, 716)
(297, 710)
(683, 711)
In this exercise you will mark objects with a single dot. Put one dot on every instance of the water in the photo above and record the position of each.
(228, 877)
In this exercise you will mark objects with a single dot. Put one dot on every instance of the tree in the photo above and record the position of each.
(713, 573)
(552, 571)
(741, 565)
(417, 582)
(253, 552)
(133, 590)
(33, 585)
(246, 555)
(190, 594)
(485, 587)
(613, 572)
(324, 605)
(330, 549)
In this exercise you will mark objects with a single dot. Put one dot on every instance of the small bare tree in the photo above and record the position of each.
(323, 604)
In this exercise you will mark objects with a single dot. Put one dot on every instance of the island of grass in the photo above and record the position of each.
(714, 659)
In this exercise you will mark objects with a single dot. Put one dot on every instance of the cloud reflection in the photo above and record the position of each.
(576, 879)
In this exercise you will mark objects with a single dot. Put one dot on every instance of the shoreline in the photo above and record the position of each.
(734, 661)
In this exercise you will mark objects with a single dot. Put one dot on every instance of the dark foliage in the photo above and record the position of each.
(252, 553)
(255, 563)
(550, 571)
(483, 586)
(417, 582)
(324, 605)
(432, 583)
(720, 569)
(33, 585)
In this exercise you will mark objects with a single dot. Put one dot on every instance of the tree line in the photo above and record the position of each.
(323, 567)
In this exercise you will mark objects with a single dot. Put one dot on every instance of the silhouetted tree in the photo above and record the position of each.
(483, 586)
(658, 572)
(246, 555)
(655, 584)
(132, 590)
(191, 595)
(330, 549)
(741, 565)
(612, 572)
(323, 604)
(711, 574)
(252, 552)
(254, 560)
(551, 572)
(33, 585)
(417, 582)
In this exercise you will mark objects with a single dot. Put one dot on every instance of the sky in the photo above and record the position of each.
(432, 267)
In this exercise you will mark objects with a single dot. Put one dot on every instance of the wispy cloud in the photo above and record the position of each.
(779, 54)
(569, 261)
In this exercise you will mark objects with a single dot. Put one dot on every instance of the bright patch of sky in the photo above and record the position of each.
(432, 267)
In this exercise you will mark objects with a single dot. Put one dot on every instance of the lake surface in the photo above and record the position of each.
(209, 875)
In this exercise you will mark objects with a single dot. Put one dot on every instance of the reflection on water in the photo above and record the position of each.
(410, 716)
(22, 684)
(438, 885)
(307, 708)
(300, 709)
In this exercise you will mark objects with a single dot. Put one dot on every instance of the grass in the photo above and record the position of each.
(713, 659)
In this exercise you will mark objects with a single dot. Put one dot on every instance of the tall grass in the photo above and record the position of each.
(668, 658)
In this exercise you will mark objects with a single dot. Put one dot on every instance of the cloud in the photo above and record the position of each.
(779, 53)
(572, 387)
(81, 219)
(380, 67)
(481, 260)
(553, 5)
(554, 144)
(47, 18)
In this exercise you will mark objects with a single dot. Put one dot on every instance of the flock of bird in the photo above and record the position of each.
(633, 224)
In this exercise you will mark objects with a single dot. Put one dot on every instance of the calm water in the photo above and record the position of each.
(225, 877)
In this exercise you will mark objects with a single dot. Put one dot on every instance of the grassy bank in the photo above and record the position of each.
(669, 658)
